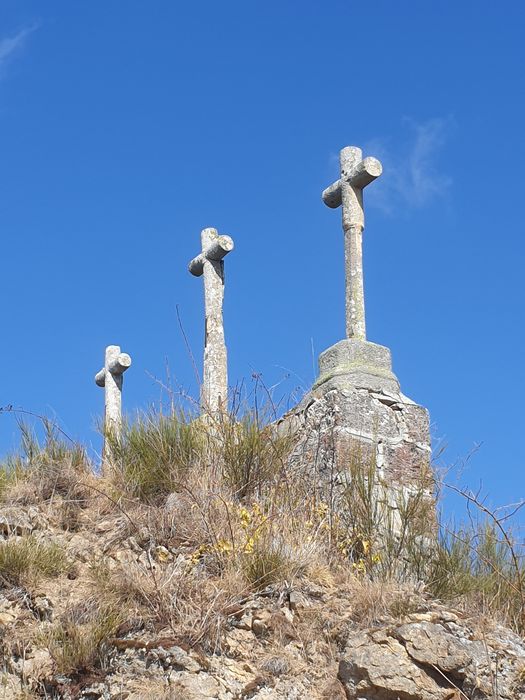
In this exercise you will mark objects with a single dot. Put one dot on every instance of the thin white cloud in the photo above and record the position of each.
(10, 45)
(411, 176)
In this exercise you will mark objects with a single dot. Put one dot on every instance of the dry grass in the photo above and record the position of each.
(248, 527)
(185, 599)
(8, 477)
(55, 475)
(210, 517)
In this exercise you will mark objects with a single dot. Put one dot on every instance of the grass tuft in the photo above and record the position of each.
(25, 561)
(79, 643)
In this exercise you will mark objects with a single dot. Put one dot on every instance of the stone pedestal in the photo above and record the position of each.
(356, 364)
(356, 414)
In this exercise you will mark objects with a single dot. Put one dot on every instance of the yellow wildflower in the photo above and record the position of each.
(249, 546)
(245, 517)
(223, 546)
(198, 553)
(359, 567)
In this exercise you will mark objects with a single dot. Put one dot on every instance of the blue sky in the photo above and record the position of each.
(126, 127)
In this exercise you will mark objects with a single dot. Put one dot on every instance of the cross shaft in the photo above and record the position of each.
(210, 264)
(347, 193)
(110, 378)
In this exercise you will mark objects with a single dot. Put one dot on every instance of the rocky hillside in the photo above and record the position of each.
(308, 640)
(120, 588)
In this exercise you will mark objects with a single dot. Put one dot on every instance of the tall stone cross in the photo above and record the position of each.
(347, 193)
(210, 264)
(110, 377)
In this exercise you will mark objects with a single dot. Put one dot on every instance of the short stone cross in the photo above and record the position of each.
(210, 264)
(347, 192)
(110, 377)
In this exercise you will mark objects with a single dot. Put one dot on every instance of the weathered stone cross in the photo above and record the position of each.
(110, 377)
(347, 192)
(210, 263)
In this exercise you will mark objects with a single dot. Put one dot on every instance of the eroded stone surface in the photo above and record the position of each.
(433, 660)
(264, 649)
(382, 670)
(343, 426)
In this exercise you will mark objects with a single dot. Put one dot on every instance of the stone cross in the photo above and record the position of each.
(110, 377)
(347, 192)
(210, 263)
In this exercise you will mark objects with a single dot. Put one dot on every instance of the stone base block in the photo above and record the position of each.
(354, 421)
(355, 430)
(341, 427)
(358, 364)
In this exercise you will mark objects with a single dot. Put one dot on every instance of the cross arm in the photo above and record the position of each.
(218, 249)
(117, 366)
(366, 172)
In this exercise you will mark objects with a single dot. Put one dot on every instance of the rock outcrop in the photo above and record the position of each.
(433, 656)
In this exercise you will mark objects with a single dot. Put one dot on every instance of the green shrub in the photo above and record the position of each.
(154, 455)
(475, 564)
(252, 455)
